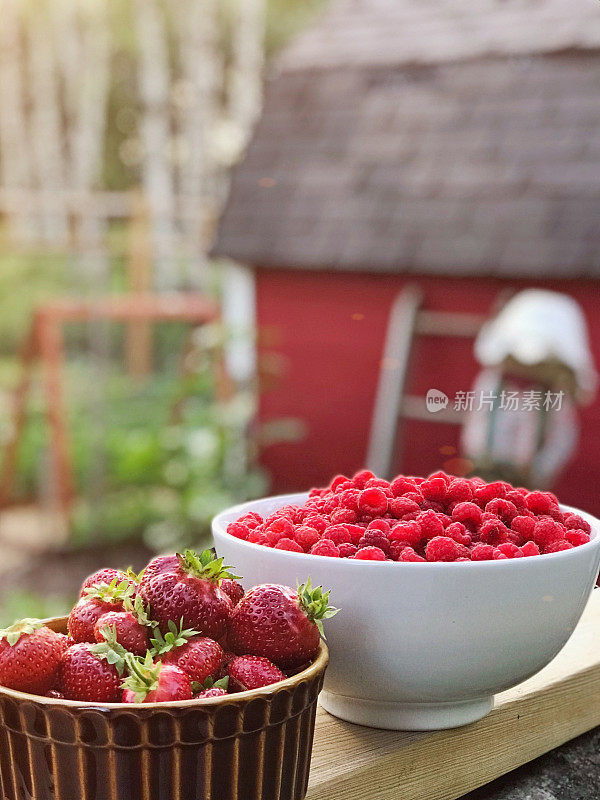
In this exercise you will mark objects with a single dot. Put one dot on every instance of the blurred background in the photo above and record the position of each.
(248, 244)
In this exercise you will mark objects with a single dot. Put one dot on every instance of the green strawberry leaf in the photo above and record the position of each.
(139, 611)
(114, 592)
(210, 683)
(205, 566)
(13, 633)
(142, 675)
(315, 604)
(110, 650)
(175, 637)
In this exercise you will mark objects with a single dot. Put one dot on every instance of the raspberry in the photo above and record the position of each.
(251, 520)
(503, 509)
(517, 499)
(489, 491)
(408, 554)
(434, 489)
(369, 554)
(445, 520)
(510, 550)
(306, 537)
(458, 532)
(442, 548)
(331, 503)
(360, 479)
(459, 491)
(338, 534)
(523, 526)
(574, 521)
(431, 526)
(349, 499)
(401, 485)
(377, 539)
(541, 502)
(482, 552)
(378, 483)
(409, 532)
(341, 515)
(467, 513)
(257, 537)
(576, 537)
(555, 547)
(338, 481)
(462, 558)
(373, 501)
(347, 550)
(288, 544)
(400, 506)
(325, 547)
(379, 525)
(493, 531)
(281, 526)
(530, 549)
(238, 529)
(432, 505)
(355, 532)
(547, 532)
(416, 496)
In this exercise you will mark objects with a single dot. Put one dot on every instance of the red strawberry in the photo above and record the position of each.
(252, 672)
(159, 566)
(279, 623)
(198, 656)
(91, 673)
(131, 627)
(210, 688)
(233, 589)
(106, 576)
(214, 692)
(227, 659)
(97, 601)
(30, 655)
(155, 683)
(192, 595)
(55, 694)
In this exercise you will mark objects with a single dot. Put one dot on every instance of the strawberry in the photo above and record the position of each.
(106, 576)
(192, 594)
(279, 623)
(252, 672)
(131, 626)
(159, 565)
(150, 682)
(233, 589)
(210, 688)
(97, 601)
(198, 656)
(216, 691)
(30, 655)
(92, 673)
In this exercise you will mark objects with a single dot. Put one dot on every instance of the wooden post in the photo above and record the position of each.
(139, 332)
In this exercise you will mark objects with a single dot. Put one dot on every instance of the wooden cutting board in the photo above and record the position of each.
(560, 702)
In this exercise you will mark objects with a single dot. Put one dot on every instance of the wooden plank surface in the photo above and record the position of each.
(560, 702)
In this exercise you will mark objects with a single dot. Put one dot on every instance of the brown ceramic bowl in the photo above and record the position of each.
(252, 745)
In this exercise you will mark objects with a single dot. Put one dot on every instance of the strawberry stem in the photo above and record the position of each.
(13, 633)
(205, 565)
(315, 604)
(175, 637)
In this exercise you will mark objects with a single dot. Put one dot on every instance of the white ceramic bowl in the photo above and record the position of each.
(420, 646)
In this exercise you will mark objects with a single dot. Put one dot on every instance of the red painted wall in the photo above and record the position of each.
(324, 333)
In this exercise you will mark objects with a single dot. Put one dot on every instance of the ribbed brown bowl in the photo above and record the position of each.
(253, 745)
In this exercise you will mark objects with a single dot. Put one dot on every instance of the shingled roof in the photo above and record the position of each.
(433, 136)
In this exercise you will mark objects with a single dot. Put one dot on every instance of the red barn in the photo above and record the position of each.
(451, 145)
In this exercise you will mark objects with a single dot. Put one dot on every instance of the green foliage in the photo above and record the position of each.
(18, 604)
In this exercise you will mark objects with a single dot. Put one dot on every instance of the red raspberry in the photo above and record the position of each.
(379, 484)
(459, 491)
(401, 485)
(467, 513)
(530, 549)
(446, 520)
(331, 503)
(575, 522)
(338, 534)
(576, 537)
(360, 479)
(347, 550)
(400, 506)
(375, 538)
(462, 558)
(555, 547)
(431, 525)
(306, 537)
(493, 531)
(288, 544)
(355, 532)
(317, 522)
(238, 529)
(281, 527)
(373, 501)
(349, 499)
(258, 537)
(547, 532)
(440, 474)
(409, 532)
(523, 526)
(434, 489)
(408, 554)
(510, 550)
(503, 509)
(541, 502)
(416, 496)
(482, 552)
(517, 499)
(325, 547)
(369, 554)
(342, 515)
(432, 505)
(338, 481)
(458, 532)
(379, 525)
(411, 517)
(442, 548)
(489, 491)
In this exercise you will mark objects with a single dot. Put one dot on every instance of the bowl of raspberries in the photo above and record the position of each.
(452, 589)
(172, 683)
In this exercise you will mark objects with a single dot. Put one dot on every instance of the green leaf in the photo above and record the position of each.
(205, 566)
(139, 611)
(110, 650)
(315, 604)
(142, 677)
(23, 627)
(114, 592)
(175, 637)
